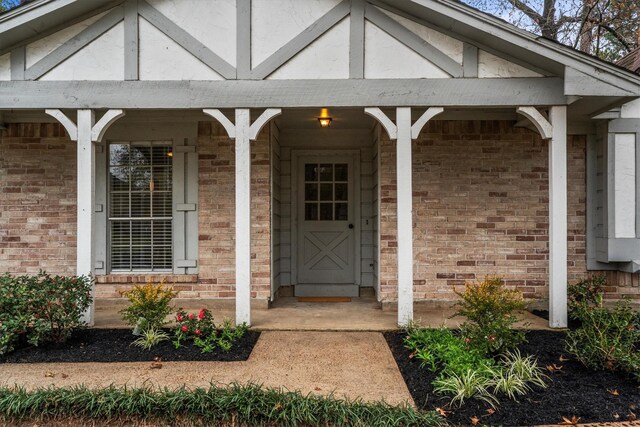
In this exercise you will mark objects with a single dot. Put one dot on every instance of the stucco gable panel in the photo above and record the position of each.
(212, 22)
(326, 58)
(102, 59)
(448, 45)
(163, 59)
(386, 57)
(491, 66)
(276, 22)
(41, 48)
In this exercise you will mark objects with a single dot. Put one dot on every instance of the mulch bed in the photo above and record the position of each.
(114, 345)
(573, 390)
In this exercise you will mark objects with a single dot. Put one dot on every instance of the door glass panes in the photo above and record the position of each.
(140, 206)
(326, 192)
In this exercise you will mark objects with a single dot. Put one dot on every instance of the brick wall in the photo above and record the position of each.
(37, 199)
(480, 193)
(217, 214)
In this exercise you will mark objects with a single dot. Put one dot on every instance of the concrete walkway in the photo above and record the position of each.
(361, 314)
(347, 364)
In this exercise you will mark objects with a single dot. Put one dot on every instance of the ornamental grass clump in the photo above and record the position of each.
(491, 310)
(465, 372)
(608, 338)
(41, 308)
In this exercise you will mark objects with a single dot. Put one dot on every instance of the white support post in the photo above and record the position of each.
(243, 217)
(86, 132)
(555, 130)
(558, 218)
(404, 189)
(243, 132)
(404, 133)
(86, 164)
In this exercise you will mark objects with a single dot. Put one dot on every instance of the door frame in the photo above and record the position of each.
(296, 156)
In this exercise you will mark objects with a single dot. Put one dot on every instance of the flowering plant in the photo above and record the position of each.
(202, 330)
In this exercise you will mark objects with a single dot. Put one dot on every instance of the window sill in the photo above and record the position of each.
(141, 278)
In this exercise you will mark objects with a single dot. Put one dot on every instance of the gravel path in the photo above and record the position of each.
(347, 364)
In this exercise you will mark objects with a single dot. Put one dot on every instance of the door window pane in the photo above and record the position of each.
(342, 172)
(342, 192)
(311, 212)
(311, 192)
(326, 172)
(326, 192)
(342, 212)
(326, 211)
(311, 172)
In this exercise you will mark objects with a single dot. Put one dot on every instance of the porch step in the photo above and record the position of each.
(326, 290)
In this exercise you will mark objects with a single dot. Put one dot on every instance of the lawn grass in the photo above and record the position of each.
(234, 405)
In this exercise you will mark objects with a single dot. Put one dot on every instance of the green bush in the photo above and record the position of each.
(150, 304)
(202, 330)
(42, 308)
(238, 405)
(586, 292)
(464, 372)
(491, 311)
(607, 338)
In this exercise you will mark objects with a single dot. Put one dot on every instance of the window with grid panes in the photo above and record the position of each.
(140, 206)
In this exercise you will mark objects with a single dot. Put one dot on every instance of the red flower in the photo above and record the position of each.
(179, 317)
(191, 316)
(197, 331)
(201, 314)
(184, 328)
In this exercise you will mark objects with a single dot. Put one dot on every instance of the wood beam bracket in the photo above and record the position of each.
(544, 127)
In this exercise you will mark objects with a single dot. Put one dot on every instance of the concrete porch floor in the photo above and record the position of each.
(288, 314)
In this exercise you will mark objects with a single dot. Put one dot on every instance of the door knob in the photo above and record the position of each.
(350, 226)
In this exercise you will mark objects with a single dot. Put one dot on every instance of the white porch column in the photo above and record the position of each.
(404, 132)
(404, 194)
(558, 218)
(555, 130)
(243, 132)
(85, 132)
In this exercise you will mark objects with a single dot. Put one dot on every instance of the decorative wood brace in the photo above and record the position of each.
(85, 131)
(404, 132)
(243, 131)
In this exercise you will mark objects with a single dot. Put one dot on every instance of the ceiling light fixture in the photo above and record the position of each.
(325, 119)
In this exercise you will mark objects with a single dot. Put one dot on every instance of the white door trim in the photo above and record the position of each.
(295, 159)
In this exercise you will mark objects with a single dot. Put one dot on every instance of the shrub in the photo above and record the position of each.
(491, 311)
(585, 293)
(464, 372)
(42, 308)
(149, 308)
(607, 338)
(204, 333)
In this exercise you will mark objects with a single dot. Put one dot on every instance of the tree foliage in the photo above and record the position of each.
(608, 29)
(9, 4)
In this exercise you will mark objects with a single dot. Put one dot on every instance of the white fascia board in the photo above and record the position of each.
(495, 27)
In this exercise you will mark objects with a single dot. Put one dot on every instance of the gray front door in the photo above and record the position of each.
(326, 214)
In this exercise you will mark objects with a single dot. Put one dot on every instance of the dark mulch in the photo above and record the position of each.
(114, 345)
(573, 391)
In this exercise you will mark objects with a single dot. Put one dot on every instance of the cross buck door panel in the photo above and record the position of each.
(326, 217)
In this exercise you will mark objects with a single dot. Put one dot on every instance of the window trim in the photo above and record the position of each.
(107, 208)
